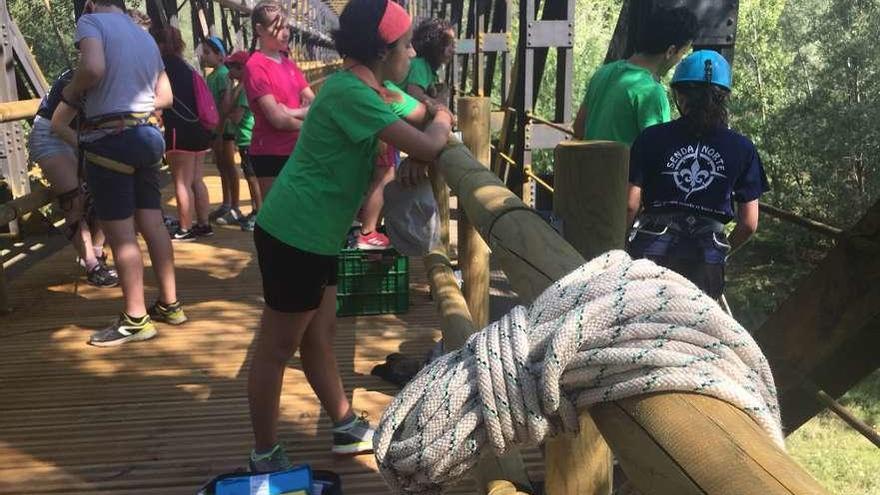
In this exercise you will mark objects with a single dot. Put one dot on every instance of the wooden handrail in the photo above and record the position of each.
(11, 111)
(668, 442)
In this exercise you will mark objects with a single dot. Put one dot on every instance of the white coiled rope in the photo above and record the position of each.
(613, 328)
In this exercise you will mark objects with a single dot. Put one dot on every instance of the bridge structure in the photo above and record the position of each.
(820, 342)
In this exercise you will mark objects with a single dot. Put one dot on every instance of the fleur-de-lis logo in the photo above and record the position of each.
(694, 169)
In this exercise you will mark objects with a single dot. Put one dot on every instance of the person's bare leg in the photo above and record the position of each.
(279, 337)
(375, 200)
(60, 171)
(265, 185)
(181, 172)
(152, 228)
(200, 191)
(319, 359)
(83, 243)
(219, 161)
(98, 238)
(129, 263)
(231, 174)
(256, 194)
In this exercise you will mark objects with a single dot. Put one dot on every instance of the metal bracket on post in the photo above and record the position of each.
(543, 137)
(489, 43)
(545, 34)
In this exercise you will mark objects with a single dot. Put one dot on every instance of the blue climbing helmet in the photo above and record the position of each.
(706, 66)
(217, 43)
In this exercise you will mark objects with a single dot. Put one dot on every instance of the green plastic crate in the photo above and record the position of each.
(372, 283)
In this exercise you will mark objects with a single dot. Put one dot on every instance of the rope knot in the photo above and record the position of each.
(611, 329)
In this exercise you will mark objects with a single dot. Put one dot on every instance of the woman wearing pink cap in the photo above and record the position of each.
(305, 218)
(277, 92)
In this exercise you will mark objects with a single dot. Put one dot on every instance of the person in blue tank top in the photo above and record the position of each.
(686, 176)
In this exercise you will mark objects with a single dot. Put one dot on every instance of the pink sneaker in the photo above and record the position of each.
(374, 241)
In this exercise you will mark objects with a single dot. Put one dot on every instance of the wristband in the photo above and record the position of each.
(69, 103)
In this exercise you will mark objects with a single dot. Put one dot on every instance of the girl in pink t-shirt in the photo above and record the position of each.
(277, 91)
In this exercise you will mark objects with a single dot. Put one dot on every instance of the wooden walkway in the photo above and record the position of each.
(163, 416)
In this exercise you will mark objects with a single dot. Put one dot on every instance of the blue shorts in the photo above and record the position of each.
(122, 171)
(43, 143)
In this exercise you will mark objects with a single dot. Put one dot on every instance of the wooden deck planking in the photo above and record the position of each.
(166, 415)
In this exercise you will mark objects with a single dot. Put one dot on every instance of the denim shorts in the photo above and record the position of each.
(118, 194)
(43, 143)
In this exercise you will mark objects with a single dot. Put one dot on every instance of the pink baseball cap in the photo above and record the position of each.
(239, 57)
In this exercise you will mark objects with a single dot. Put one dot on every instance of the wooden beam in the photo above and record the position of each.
(826, 332)
(590, 199)
(16, 208)
(658, 439)
(11, 111)
(591, 180)
(473, 257)
(456, 323)
(794, 218)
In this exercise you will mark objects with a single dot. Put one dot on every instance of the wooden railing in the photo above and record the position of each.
(666, 443)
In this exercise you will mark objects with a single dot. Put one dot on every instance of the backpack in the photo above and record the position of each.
(206, 109)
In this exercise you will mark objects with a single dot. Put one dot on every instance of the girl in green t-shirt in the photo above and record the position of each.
(434, 42)
(307, 213)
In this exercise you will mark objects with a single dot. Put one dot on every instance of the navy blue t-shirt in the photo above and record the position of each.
(678, 171)
(50, 102)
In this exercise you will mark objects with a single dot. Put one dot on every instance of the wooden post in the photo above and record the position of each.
(473, 256)
(590, 198)
(590, 187)
(5, 307)
(667, 443)
(457, 325)
(474, 114)
(441, 194)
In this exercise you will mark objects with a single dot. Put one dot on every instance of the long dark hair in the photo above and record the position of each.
(705, 106)
(430, 40)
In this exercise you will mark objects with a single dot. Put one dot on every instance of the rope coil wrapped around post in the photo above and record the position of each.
(613, 328)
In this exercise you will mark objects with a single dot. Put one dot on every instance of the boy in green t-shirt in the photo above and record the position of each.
(626, 96)
(434, 43)
(241, 118)
(213, 55)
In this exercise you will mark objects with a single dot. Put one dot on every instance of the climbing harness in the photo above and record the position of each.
(613, 328)
(118, 122)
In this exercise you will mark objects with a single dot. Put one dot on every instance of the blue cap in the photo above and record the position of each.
(218, 44)
(706, 66)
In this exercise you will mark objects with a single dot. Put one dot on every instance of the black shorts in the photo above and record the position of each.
(709, 277)
(293, 280)
(268, 165)
(187, 138)
(228, 137)
(247, 167)
(122, 171)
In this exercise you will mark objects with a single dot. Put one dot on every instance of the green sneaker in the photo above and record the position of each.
(124, 329)
(353, 437)
(172, 313)
(270, 462)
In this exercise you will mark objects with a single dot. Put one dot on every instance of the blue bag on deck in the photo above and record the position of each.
(299, 480)
(295, 481)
